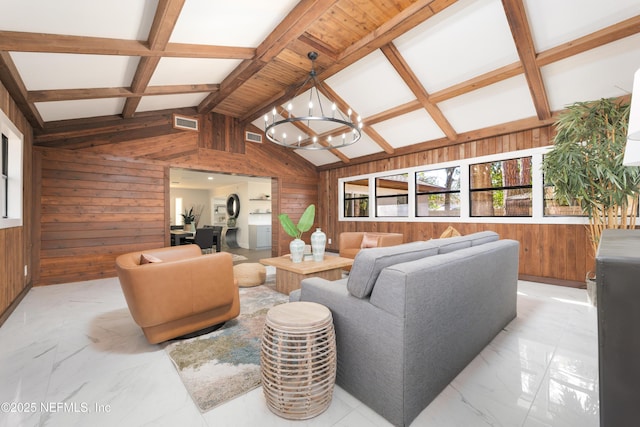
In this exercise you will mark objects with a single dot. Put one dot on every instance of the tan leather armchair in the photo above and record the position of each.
(351, 242)
(181, 292)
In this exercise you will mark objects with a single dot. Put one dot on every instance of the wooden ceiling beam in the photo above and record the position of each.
(478, 82)
(406, 20)
(55, 43)
(612, 33)
(11, 80)
(164, 22)
(517, 18)
(410, 17)
(406, 73)
(290, 28)
(115, 92)
(492, 131)
(406, 108)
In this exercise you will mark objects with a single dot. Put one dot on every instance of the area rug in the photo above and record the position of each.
(237, 257)
(224, 364)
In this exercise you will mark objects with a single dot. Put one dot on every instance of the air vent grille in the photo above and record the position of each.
(187, 123)
(252, 137)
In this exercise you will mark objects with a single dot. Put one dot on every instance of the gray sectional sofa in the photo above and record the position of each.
(410, 317)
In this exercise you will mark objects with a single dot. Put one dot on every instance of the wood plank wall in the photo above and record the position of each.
(93, 208)
(104, 185)
(16, 243)
(552, 253)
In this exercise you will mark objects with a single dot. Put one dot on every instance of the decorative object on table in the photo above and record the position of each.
(188, 219)
(318, 243)
(296, 247)
(585, 165)
(298, 359)
(225, 364)
(311, 119)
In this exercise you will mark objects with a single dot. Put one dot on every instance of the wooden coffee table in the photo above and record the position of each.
(290, 274)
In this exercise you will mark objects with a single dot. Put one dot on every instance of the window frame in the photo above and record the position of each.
(432, 193)
(13, 184)
(537, 193)
(500, 188)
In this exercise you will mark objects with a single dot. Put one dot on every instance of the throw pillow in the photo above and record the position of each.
(148, 259)
(450, 232)
(369, 241)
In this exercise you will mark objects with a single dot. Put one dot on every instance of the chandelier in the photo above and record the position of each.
(312, 128)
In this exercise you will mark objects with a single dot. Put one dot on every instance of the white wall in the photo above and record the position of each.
(191, 198)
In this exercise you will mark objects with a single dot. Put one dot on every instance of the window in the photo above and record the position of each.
(504, 188)
(501, 188)
(11, 141)
(356, 198)
(179, 217)
(4, 177)
(392, 196)
(438, 192)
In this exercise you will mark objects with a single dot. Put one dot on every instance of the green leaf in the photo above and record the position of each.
(306, 220)
(289, 226)
(304, 224)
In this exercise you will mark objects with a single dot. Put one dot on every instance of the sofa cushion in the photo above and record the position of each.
(368, 264)
(452, 244)
(369, 241)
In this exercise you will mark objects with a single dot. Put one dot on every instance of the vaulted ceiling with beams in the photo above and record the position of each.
(419, 73)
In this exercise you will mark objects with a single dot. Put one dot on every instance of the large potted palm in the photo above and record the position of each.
(585, 165)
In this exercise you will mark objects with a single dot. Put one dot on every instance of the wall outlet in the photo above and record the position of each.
(26, 270)
(329, 241)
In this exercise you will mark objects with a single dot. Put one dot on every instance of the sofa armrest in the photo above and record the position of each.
(370, 345)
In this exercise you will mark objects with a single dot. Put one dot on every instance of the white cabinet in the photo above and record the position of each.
(259, 236)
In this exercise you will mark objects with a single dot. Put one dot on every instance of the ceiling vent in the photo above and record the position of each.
(252, 137)
(185, 123)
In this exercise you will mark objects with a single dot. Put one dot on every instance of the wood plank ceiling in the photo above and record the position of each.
(536, 46)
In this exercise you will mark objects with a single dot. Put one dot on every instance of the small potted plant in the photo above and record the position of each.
(296, 247)
(188, 218)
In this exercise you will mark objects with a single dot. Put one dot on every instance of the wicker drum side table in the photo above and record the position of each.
(298, 359)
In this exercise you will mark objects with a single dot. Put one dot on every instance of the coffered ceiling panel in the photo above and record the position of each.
(501, 102)
(229, 23)
(119, 19)
(41, 71)
(579, 78)
(318, 157)
(555, 22)
(469, 38)
(175, 71)
(409, 129)
(371, 85)
(363, 147)
(165, 102)
(65, 110)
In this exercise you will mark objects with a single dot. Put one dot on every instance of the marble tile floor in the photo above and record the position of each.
(70, 355)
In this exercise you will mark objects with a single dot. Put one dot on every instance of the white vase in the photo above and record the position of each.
(318, 243)
(296, 247)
